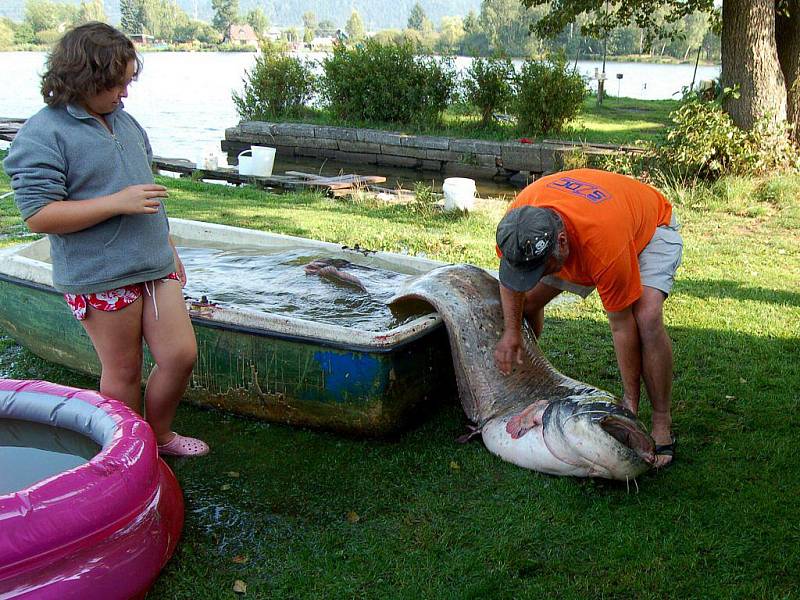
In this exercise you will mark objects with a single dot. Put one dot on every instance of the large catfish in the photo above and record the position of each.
(580, 430)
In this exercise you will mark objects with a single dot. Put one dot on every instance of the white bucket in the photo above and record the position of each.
(259, 163)
(263, 160)
(245, 163)
(459, 193)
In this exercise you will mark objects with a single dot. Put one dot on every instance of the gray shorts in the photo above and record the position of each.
(658, 262)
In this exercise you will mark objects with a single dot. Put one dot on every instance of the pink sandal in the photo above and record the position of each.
(184, 446)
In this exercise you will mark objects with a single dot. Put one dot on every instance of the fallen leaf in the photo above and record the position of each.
(353, 517)
(455, 466)
(742, 380)
(233, 474)
(240, 587)
(730, 397)
(226, 487)
(239, 559)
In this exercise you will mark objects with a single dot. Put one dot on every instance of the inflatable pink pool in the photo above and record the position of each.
(103, 529)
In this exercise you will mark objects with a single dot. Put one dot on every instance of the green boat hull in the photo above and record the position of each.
(276, 377)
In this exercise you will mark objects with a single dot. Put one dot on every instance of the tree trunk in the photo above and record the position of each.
(750, 61)
(787, 37)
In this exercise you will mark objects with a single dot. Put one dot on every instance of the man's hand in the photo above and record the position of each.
(140, 199)
(508, 351)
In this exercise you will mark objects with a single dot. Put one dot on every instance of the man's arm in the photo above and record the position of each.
(509, 348)
(625, 334)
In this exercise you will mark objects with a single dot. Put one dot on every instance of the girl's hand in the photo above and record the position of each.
(179, 268)
(140, 199)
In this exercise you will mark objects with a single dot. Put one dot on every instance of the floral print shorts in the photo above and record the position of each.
(109, 300)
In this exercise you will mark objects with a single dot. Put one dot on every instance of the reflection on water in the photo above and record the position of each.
(278, 284)
(31, 452)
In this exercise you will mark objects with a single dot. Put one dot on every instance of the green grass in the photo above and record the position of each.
(303, 514)
(616, 121)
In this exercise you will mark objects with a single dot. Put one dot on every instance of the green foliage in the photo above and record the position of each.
(355, 26)
(388, 83)
(488, 85)
(257, 20)
(278, 85)
(547, 95)
(6, 34)
(43, 15)
(225, 14)
(91, 10)
(425, 202)
(417, 19)
(703, 142)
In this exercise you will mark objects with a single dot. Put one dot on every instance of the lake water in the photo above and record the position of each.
(183, 99)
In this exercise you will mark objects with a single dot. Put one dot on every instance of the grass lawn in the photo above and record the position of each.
(296, 513)
(616, 121)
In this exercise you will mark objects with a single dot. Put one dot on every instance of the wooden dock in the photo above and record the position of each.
(337, 186)
(9, 128)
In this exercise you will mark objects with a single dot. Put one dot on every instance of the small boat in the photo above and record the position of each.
(274, 365)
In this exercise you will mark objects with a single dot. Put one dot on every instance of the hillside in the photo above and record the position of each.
(377, 14)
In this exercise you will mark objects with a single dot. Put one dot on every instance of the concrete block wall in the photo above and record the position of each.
(464, 157)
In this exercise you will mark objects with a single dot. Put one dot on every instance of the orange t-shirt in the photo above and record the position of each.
(609, 219)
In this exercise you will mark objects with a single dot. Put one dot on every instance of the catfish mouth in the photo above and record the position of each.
(630, 434)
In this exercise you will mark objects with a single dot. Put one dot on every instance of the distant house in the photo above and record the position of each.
(242, 35)
(273, 34)
(141, 38)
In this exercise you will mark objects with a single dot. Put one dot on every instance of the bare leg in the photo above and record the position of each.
(117, 339)
(656, 364)
(172, 343)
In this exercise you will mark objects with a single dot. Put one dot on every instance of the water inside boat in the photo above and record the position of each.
(31, 452)
(277, 283)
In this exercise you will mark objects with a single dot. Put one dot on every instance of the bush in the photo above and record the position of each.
(547, 95)
(386, 83)
(704, 142)
(488, 86)
(278, 85)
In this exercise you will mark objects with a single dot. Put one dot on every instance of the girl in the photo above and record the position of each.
(80, 170)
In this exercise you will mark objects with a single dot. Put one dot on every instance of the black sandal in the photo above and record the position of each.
(667, 450)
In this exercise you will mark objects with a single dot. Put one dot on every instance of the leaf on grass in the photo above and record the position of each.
(234, 474)
(353, 517)
(455, 466)
(730, 397)
(225, 487)
(240, 559)
(240, 587)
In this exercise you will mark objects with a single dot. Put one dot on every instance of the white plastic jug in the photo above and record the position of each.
(459, 193)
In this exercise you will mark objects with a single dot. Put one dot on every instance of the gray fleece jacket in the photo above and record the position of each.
(64, 153)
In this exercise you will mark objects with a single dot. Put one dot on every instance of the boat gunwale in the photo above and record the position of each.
(383, 342)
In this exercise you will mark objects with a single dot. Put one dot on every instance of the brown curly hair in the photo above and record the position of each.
(87, 60)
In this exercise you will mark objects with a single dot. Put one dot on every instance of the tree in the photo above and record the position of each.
(226, 12)
(258, 21)
(43, 15)
(354, 26)
(6, 34)
(417, 19)
(131, 20)
(91, 10)
(760, 45)
(506, 24)
(310, 22)
(451, 34)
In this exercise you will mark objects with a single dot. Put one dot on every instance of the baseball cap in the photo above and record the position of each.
(526, 237)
